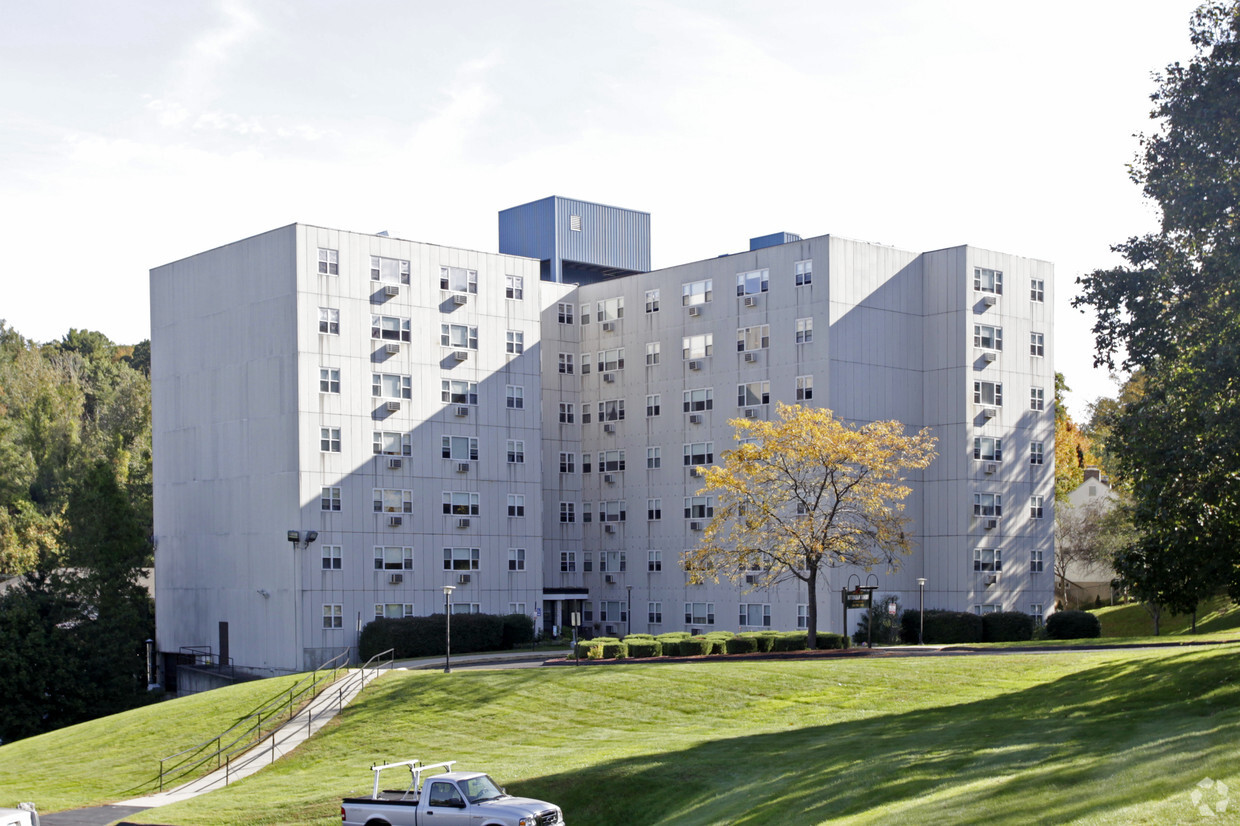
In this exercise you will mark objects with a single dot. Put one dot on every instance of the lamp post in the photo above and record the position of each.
(921, 610)
(629, 611)
(447, 628)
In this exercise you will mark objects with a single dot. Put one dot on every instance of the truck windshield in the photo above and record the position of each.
(478, 789)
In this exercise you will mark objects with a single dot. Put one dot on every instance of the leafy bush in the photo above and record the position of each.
(719, 641)
(885, 626)
(518, 630)
(644, 648)
(741, 645)
(588, 650)
(425, 636)
(828, 641)
(695, 646)
(1073, 625)
(1007, 626)
(765, 640)
(791, 641)
(615, 650)
(942, 627)
(671, 642)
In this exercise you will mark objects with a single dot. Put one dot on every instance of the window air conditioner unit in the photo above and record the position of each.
(695, 365)
(611, 580)
(990, 300)
(989, 412)
(463, 522)
(694, 472)
(989, 356)
(992, 579)
(751, 579)
(463, 579)
(392, 407)
(991, 524)
(395, 579)
(609, 428)
(695, 526)
(609, 377)
(751, 358)
(462, 410)
(391, 290)
(460, 355)
(609, 326)
(609, 528)
(395, 521)
(990, 467)
(695, 418)
(462, 467)
(460, 299)
(394, 463)
(609, 478)
(751, 413)
(391, 348)
(695, 311)
(751, 301)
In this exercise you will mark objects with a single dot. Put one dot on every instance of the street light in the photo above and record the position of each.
(629, 612)
(447, 628)
(921, 610)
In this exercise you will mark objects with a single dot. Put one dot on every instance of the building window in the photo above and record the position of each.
(699, 613)
(516, 505)
(393, 610)
(566, 363)
(986, 609)
(333, 616)
(753, 338)
(574, 223)
(458, 280)
(805, 388)
(329, 262)
(987, 337)
(516, 607)
(652, 405)
(612, 611)
(566, 413)
(987, 281)
(987, 504)
(461, 559)
(610, 461)
(458, 335)
(330, 499)
(391, 500)
(616, 561)
(803, 615)
(696, 347)
(331, 557)
(612, 510)
(988, 448)
(610, 309)
(752, 283)
(516, 451)
(389, 270)
(695, 292)
(1037, 453)
(514, 397)
(514, 287)
(1037, 290)
(1037, 398)
(699, 507)
(652, 301)
(564, 313)
(654, 458)
(393, 559)
(1038, 611)
(753, 393)
(987, 559)
(460, 503)
(611, 410)
(458, 392)
(460, 448)
(516, 562)
(587, 510)
(568, 562)
(654, 509)
(611, 360)
(989, 393)
(568, 463)
(654, 561)
(329, 439)
(654, 613)
(514, 342)
(1035, 562)
(1035, 507)
(391, 386)
(329, 321)
(585, 314)
(389, 328)
(755, 614)
(805, 272)
(387, 443)
(467, 607)
(329, 380)
(568, 512)
(1037, 344)
(699, 453)
(703, 398)
(804, 330)
(652, 353)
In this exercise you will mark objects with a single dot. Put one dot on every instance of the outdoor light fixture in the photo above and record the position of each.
(921, 610)
(294, 537)
(264, 593)
(447, 628)
(311, 536)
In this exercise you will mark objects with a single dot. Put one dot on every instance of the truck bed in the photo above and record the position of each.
(398, 796)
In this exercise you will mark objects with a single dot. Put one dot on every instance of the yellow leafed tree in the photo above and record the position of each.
(804, 493)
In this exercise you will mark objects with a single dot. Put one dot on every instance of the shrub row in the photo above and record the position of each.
(425, 636)
(682, 644)
(1073, 625)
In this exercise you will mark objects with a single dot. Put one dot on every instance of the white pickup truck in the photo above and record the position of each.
(25, 815)
(450, 798)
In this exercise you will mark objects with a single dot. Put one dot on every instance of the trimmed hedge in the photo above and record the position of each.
(741, 645)
(644, 648)
(765, 640)
(1007, 626)
(615, 650)
(1073, 625)
(518, 630)
(827, 641)
(696, 646)
(425, 636)
(791, 641)
(942, 627)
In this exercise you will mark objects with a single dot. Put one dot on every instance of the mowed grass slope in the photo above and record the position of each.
(1100, 737)
(1215, 615)
(105, 760)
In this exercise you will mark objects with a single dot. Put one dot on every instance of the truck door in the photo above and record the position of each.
(445, 805)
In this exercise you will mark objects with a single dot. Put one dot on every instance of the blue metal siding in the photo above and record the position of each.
(772, 240)
(610, 239)
(528, 230)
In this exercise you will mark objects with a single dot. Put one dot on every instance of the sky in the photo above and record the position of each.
(141, 132)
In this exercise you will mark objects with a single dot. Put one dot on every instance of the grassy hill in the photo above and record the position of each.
(1132, 620)
(1100, 737)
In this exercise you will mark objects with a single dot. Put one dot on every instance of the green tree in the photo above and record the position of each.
(1072, 448)
(1174, 311)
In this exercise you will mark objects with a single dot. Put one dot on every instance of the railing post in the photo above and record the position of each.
(161, 774)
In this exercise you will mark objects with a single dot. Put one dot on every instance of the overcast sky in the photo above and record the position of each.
(136, 133)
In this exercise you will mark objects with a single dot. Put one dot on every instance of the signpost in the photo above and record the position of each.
(859, 596)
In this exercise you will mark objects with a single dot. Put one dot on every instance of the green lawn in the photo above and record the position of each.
(1132, 620)
(1098, 737)
(106, 759)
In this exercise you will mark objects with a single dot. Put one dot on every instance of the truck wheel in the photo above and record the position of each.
(377, 823)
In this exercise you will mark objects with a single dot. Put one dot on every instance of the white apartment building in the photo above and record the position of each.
(428, 416)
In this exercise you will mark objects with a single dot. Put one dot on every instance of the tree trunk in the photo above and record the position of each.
(1194, 619)
(812, 619)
